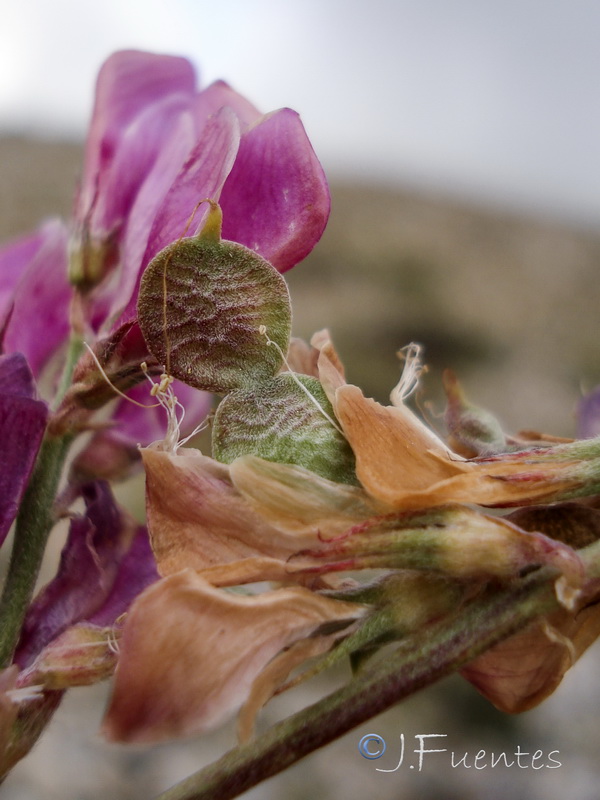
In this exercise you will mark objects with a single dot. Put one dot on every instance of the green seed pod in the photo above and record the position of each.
(203, 307)
(282, 421)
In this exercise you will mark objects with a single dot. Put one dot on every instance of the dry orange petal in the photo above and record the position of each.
(396, 455)
(523, 670)
(198, 519)
(189, 653)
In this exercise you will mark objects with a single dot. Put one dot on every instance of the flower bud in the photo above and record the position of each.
(91, 260)
(473, 431)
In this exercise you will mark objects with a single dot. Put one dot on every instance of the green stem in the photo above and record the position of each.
(415, 664)
(34, 523)
(73, 353)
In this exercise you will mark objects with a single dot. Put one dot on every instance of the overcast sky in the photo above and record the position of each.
(496, 99)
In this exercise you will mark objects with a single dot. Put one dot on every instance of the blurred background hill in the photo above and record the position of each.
(507, 299)
(510, 302)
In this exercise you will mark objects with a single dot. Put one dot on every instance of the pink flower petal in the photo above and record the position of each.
(201, 176)
(148, 200)
(588, 415)
(217, 96)
(15, 258)
(276, 200)
(144, 426)
(136, 572)
(137, 151)
(129, 81)
(39, 318)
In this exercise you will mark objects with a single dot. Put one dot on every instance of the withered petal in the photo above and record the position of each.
(198, 519)
(520, 672)
(189, 653)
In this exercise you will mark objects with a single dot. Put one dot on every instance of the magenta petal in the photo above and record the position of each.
(15, 258)
(276, 199)
(39, 317)
(218, 95)
(15, 377)
(201, 177)
(113, 453)
(148, 200)
(97, 544)
(135, 155)
(128, 82)
(137, 571)
(22, 424)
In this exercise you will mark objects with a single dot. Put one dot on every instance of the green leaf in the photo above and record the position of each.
(279, 421)
(201, 306)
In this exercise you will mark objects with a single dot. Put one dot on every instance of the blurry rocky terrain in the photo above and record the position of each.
(511, 304)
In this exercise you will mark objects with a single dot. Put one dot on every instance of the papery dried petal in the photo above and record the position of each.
(197, 518)
(523, 670)
(298, 501)
(189, 653)
(397, 457)
(302, 357)
(84, 654)
(266, 684)
(330, 369)
(403, 464)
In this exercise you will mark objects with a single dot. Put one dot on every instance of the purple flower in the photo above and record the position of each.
(104, 565)
(22, 424)
(155, 148)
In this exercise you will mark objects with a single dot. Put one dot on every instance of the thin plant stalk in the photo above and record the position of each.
(416, 663)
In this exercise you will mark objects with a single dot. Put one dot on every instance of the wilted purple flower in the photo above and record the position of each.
(155, 148)
(22, 423)
(105, 563)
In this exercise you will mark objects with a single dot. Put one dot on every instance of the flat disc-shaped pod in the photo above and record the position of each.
(201, 307)
(279, 421)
